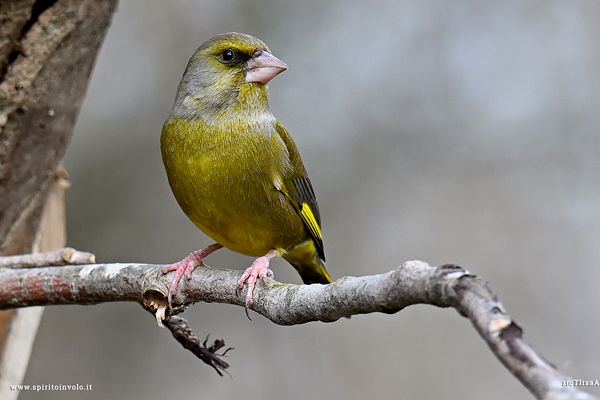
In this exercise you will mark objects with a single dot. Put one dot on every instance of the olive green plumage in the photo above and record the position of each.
(233, 168)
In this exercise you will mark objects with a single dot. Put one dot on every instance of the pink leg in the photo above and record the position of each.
(258, 270)
(186, 266)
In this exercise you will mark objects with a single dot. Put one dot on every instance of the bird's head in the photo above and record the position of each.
(228, 71)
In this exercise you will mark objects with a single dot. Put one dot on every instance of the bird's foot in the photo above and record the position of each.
(258, 270)
(186, 267)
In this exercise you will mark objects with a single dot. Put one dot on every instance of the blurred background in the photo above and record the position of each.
(461, 131)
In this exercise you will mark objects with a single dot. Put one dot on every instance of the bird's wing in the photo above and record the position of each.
(298, 189)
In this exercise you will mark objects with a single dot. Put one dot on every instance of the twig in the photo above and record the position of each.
(188, 339)
(156, 303)
(414, 282)
(64, 256)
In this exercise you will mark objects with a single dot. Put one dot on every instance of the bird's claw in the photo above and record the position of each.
(258, 270)
(183, 267)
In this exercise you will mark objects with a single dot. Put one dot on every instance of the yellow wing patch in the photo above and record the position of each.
(309, 219)
(311, 222)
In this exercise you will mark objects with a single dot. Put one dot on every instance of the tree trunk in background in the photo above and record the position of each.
(47, 52)
(20, 335)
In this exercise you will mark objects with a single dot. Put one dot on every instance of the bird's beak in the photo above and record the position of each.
(263, 67)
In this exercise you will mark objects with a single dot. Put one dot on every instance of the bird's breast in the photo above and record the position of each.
(224, 178)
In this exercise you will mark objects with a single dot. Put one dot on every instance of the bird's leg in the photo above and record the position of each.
(186, 266)
(258, 270)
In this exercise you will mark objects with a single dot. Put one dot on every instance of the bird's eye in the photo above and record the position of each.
(227, 55)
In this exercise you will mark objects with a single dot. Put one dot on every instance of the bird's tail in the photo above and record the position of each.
(308, 263)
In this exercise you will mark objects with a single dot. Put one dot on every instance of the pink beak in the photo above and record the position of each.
(263, 67)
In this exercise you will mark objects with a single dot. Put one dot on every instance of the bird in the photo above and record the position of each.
(235, 170)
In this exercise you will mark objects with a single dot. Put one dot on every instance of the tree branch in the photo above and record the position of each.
(414, 282)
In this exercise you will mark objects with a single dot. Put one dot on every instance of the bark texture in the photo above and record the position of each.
(47, 52)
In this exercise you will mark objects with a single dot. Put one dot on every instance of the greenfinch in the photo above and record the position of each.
(235, 170)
